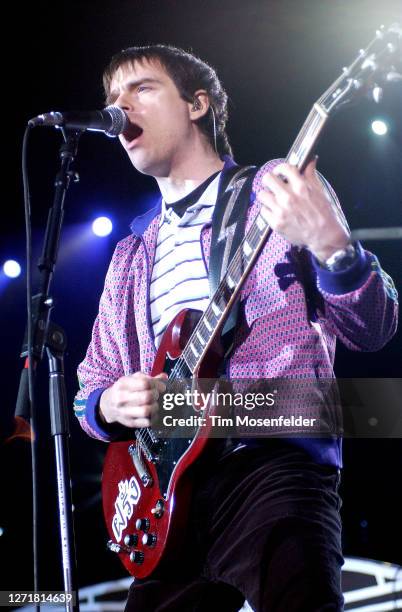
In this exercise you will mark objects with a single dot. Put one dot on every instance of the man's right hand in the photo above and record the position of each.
(132, 400)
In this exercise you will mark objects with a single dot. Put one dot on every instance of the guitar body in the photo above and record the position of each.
(146, 498)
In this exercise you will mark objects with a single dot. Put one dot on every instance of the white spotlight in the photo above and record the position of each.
(379, 127)
(102, 226)
(12, 268)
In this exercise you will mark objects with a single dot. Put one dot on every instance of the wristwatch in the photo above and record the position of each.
(341, 259)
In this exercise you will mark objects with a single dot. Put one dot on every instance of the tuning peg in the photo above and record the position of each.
(377, 94)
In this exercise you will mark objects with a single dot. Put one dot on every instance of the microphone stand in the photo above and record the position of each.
(46, 334)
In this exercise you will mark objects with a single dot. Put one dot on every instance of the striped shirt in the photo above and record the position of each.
(179, 275)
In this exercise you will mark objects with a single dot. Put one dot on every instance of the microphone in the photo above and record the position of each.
(112, 120)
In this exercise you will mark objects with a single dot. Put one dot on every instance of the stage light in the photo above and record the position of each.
(379, 127)
(12, 268)
(102, 226)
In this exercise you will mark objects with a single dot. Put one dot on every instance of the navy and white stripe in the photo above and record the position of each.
(179, 276)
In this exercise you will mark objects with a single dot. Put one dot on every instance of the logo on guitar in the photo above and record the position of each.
(129, 494)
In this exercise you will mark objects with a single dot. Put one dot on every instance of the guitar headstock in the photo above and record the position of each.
(379, 64)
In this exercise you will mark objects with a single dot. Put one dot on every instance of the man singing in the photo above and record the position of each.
(265, 522)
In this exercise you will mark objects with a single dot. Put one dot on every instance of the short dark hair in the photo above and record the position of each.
(188, 73)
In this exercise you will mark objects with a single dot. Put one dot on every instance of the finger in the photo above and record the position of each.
(138, 412)
(275, 184)
(137, 399)
(287, 171)
(145, 398)
(311, 166)
(137, 423)
(292, 175)
(138, 382)
(311, 173)
(268, 202)
(160, 382)
(274, 214)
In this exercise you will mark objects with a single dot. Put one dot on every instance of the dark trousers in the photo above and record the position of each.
(264, 527)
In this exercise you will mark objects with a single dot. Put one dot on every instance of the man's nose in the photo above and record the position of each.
(124, 101)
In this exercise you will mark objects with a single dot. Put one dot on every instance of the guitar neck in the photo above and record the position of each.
(307, 138)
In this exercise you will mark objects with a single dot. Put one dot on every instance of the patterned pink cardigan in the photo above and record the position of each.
(287, 332)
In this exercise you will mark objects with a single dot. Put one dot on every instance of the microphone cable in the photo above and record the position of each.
(32, 412)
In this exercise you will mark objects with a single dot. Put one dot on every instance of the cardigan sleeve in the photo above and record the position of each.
(103, 363)
(359, 304)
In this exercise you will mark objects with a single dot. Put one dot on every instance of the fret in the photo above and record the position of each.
(212, 318)
(307, 136)
(190, 359)
(230, 282)
(195, 352)
(200, 338)
(203, 331)
(225, 295)
(207, 323)
(261, 223)
(234, 270)
(216, 309)
(320, 110)
(247, 250)
(254, 238)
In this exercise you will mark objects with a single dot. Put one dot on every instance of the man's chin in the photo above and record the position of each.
(140, 164)
(147, 166)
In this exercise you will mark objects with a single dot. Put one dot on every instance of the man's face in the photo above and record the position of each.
(160, 135)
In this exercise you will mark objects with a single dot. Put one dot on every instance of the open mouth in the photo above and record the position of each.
(132, 132)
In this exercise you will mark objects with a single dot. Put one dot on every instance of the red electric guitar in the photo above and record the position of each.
(146, 481)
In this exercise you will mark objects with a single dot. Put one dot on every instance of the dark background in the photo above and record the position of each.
(275, 59)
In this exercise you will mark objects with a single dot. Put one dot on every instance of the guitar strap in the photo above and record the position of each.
(228, 229)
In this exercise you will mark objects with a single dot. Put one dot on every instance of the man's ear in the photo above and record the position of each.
(199, 106)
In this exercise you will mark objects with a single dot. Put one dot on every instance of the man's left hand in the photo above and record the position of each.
(296, 206)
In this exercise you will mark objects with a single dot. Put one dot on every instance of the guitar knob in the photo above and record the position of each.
(137, 557)
(131, 539)
(159, 509)
(149, 539)
(142, 524)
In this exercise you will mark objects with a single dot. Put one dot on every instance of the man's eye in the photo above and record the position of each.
(143, 88)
